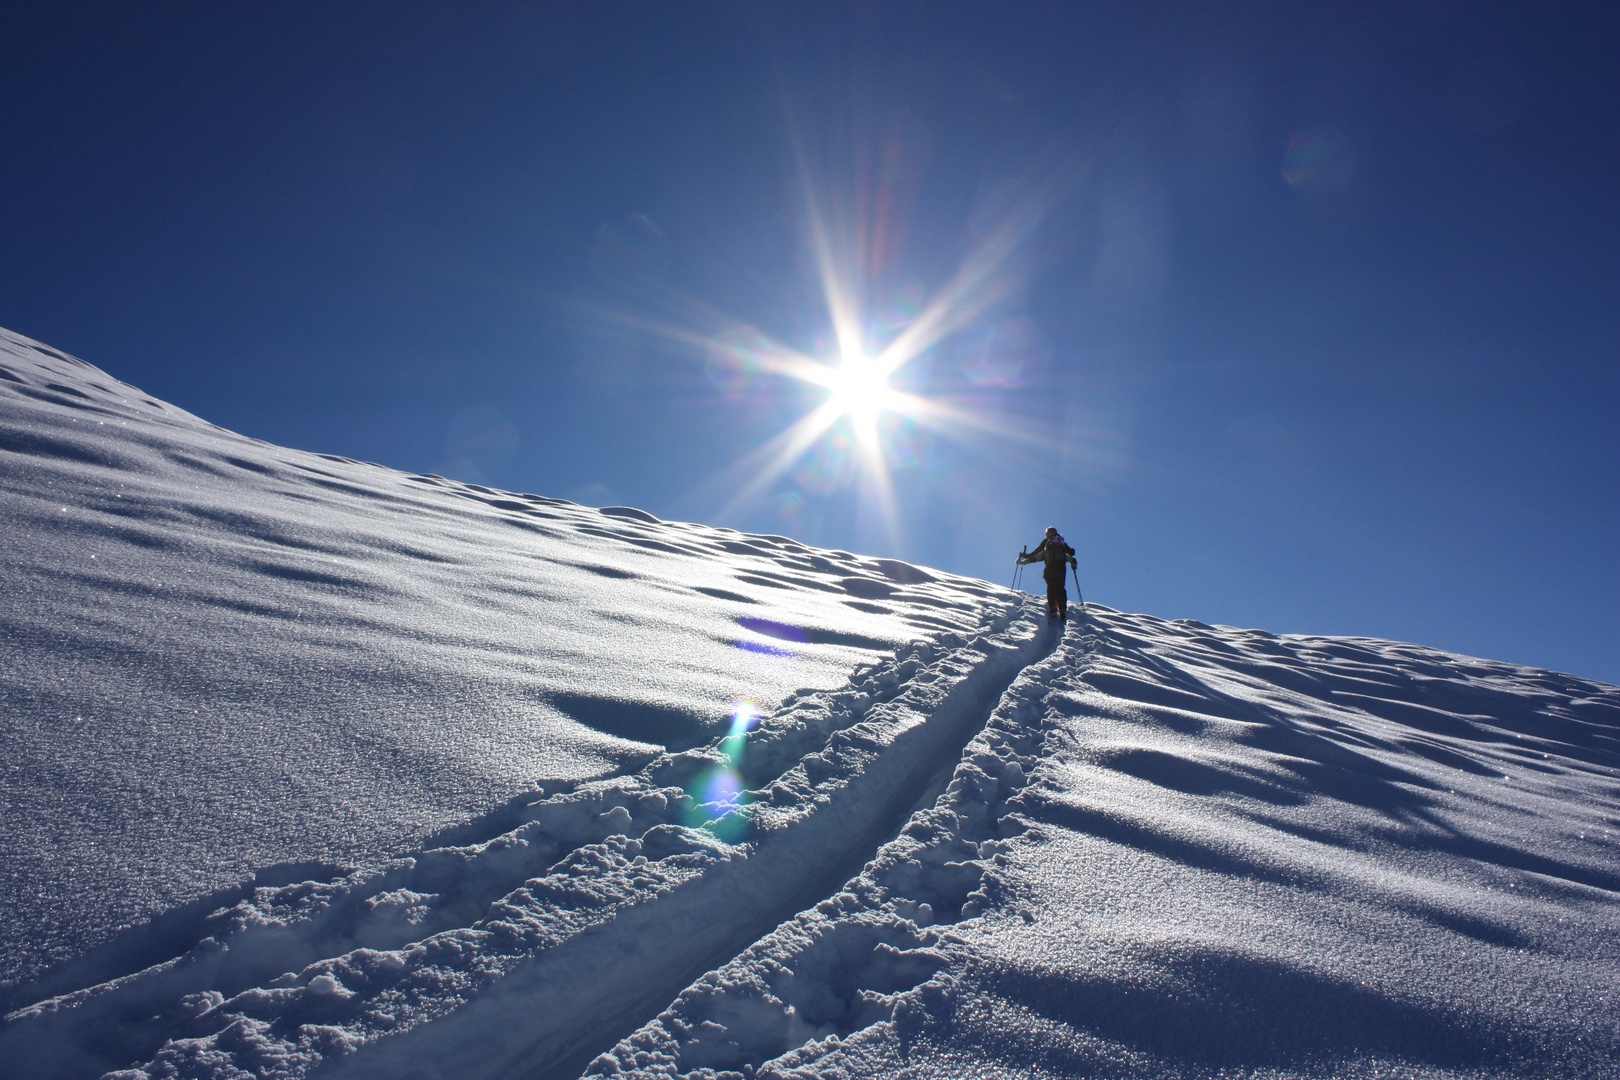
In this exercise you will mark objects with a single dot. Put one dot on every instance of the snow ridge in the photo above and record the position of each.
(589, 914)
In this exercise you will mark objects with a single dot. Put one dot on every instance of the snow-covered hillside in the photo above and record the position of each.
(317, 768)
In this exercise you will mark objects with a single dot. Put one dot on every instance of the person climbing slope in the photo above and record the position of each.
(1058, 557)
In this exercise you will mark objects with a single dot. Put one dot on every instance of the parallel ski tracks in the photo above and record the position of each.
(870, 948)
(531, 952)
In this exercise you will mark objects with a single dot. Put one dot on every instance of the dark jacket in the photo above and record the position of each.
(1056, 554)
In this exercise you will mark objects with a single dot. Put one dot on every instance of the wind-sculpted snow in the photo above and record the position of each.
(317, 769)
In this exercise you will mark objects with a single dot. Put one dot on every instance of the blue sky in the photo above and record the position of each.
(1294, 316)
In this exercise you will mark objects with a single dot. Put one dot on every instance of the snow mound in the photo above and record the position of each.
(318, 768)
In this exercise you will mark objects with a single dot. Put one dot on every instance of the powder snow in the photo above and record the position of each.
(313, 767)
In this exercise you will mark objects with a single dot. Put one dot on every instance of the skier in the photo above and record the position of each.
(1058, 557)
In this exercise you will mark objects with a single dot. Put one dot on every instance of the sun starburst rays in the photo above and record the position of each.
(858, 379)
(875, 403)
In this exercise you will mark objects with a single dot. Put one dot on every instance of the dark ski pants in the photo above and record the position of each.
(1057, 597)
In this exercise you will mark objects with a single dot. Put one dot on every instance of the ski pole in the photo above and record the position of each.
(1018, 567)
(1078, 594)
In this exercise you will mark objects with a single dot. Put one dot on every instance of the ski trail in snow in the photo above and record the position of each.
(882, 940)
(534, 950)
(223, 656)
(1172, 848)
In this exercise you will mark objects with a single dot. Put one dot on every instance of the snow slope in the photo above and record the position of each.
(317, 768)
(225, 658)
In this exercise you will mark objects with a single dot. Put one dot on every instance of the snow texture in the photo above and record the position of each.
(317, 768)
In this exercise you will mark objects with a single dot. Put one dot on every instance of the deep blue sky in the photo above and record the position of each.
(1313, 324)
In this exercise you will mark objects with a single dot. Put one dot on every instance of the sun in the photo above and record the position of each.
(859, 388)
(866, 425)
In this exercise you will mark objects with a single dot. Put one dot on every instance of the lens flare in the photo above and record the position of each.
(829, 464)
(630, 254)
(738, 361)
(1004, 354)
(718, 793)
(1319, 161)
(791, 510)
(905, 444)
(902, 309)
(479, 444)
(781, 638)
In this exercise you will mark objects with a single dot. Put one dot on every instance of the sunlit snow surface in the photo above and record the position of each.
(313, 767)
(222, 655)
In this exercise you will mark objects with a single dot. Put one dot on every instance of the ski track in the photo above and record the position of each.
(535, 943)
(885, 939)
(940, 958)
